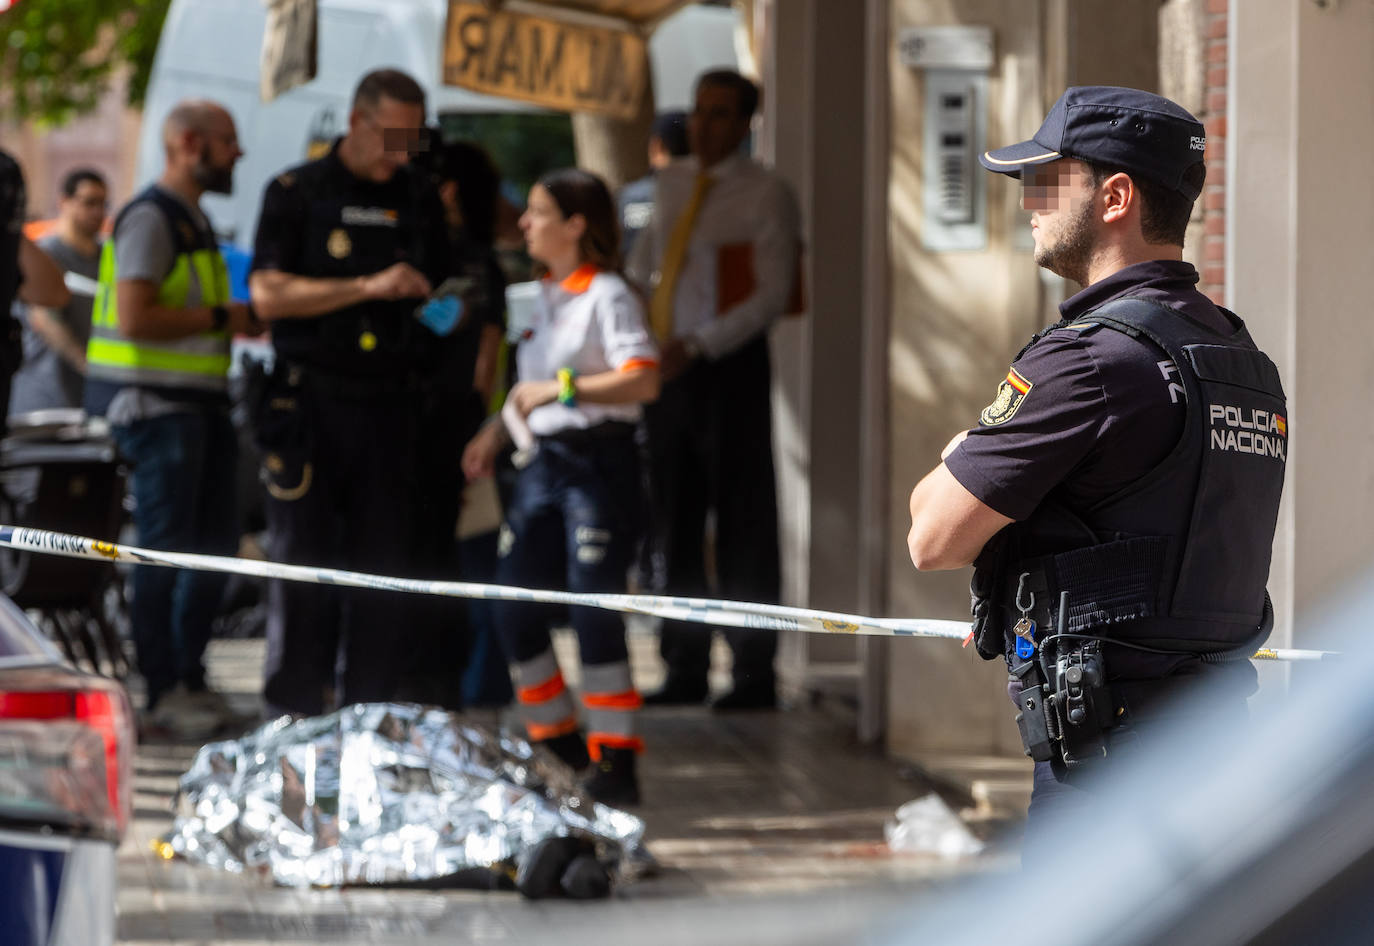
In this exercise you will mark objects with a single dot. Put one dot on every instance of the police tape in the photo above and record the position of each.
(709, 611)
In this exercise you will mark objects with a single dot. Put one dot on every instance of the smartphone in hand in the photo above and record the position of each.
(442, 312)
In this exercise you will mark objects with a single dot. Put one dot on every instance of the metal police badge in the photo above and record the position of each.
(339, 244)
(1010, 394)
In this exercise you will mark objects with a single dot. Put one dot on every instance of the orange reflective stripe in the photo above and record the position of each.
(625, 700)
(539, 733)
(634, 364)
(543, 692)
(598, 741)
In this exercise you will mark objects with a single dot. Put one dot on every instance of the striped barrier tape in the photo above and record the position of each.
(694, 610)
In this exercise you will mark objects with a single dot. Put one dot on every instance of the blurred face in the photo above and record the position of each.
(383, 137)
(1064, 222)
(85, 210)
(217, 151)
(550, 237)
(716, 128)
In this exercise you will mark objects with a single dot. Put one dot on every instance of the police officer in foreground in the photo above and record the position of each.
(348, 248)
(1118, 497)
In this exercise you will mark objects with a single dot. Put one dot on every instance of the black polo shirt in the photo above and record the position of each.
(1099, 410)
(320, 220)
(13, 202)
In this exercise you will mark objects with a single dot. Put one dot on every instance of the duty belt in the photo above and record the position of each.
(354, 388)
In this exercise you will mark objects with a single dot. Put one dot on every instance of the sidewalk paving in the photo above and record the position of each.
(768, 827)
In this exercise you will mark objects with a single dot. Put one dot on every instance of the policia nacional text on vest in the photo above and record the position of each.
(1174, 563)
(191, 368)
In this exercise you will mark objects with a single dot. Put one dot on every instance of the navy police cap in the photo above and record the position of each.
(1136, 131)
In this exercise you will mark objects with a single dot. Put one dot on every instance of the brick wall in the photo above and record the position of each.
(1213, 116)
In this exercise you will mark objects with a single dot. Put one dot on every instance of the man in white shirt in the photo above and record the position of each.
(721, 259)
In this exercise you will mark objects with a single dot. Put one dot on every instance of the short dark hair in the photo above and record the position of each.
(388, 83)
(670, 128)
(1164, 212)
(479, 183)
(746, 92)
(577, 192)
(74, 179)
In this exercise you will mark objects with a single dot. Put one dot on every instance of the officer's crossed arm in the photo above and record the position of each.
(279, 295)
(141, 317)
(949, 525)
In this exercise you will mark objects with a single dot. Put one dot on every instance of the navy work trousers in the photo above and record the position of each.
(572, 522)
(711, 447)
(185, 492)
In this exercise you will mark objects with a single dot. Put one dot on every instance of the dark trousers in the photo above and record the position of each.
(486, 681)
(711, 450)
(1080, 802)
(431, 672)
(340, 486)
(572, 522)
(184, 489)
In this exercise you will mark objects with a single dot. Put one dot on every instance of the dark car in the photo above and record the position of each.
(66, 787)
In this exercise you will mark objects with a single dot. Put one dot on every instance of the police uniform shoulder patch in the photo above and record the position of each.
(1011, 393)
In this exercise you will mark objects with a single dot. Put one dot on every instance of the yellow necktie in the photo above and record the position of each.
(661, 306)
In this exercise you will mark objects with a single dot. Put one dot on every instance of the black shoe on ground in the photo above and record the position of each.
(613, 781)
(677, 692)
(571, 748)
(747, 698)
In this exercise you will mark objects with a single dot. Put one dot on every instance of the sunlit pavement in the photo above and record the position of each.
(768, 827)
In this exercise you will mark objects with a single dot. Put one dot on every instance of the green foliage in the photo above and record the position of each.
(57, 57)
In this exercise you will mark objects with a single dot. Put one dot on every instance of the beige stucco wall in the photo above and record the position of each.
(959, 317)
(1302, 225)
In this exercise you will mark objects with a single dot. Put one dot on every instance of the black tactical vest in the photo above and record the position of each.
(1178, 559)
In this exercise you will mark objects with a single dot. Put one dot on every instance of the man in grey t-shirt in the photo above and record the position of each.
(54, 367)
(156, 365)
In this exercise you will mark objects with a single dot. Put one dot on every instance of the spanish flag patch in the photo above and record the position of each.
(1010, 393)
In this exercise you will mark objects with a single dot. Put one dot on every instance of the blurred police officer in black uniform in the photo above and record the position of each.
(26, 273)
(1118, 498)
(635, 201)
(459, 372)
(348, 248)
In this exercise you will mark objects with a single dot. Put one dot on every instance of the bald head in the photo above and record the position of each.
(202, 145)
(200, 116)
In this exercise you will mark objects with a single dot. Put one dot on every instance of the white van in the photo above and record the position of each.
(211, 49)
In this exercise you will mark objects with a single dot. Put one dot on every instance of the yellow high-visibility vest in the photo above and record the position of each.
(199, 361)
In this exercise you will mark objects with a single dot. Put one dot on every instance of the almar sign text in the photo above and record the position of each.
(559, 65)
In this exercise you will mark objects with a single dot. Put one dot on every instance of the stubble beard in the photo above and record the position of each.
(214, 180)
(1070, 255)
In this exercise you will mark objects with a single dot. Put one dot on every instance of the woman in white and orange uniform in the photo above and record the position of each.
(585, 366)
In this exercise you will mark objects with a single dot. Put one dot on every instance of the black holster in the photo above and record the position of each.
(1065, 707)
(279, 409)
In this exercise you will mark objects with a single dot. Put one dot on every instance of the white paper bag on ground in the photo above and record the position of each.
(928, 826)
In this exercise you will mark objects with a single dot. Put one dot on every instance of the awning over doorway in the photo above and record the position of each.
(570, 55)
